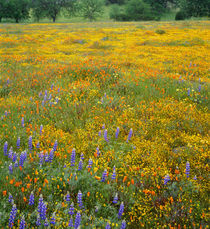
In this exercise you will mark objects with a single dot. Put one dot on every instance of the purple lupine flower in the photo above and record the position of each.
(18, 143)
(103, 127)
(6, 113)
(80, 165)
(117, 132)
(114, 173)
(115, 199)
(41, 158)
(43, 211)
(121, 210)
(22, 122)
(16, 164)
(130, 135)
(10, 154)
(188, 92)
(97, 151)
(104, 175)
(166, 179)
(50, 97)
(7, 82)
(5, 149)
(46, 158)
(123, 225)
(43, 103)
(40, 94)
(52, 220)
(40, 204)
(52, 85)
(71, 209)
(38, 145)
(67, 197)
(55, 147)
(31, 199)
(187, 171)
(12, 216)
(30, 146)
(10, 168)
(82, 156)
(71, 224)
(10, 200)
(96, 208)
(38, 221)
(199, 88)
(195, 177)
(46, 223)
(51, 156)
(41, 129)
(90, 163)
(99, 133)
(23, 157)
(105, 136)
(79, 199)
(108, 226)
(77, 220)
(73, 157)
(22, 223)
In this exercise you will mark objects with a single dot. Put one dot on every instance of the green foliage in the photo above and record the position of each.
(15, 9)
(137, 10)
(50, 8)
(195, 8)
(181, 15)
(160, 31)
(91, 9)
(117, 13)
(116, 1)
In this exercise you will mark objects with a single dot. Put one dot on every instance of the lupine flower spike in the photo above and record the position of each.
(77, 220)
(123, 225)
(115, 199)
(121, 210)
(31, 199)
(166, 179)
(130, 135)
(73, 156)
(12, 216)
(22, 223)
(117, 132)
(187, 169)
(79, 199)
(108, 226)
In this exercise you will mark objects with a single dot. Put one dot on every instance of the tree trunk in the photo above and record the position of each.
(54, 18)
(0, 19)
(16, 20)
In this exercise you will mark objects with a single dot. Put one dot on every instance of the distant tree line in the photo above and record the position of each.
(121, 10)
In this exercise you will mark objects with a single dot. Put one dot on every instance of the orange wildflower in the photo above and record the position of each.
(124, 179)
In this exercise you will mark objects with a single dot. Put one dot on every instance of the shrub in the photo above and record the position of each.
(137, 10)
(181, 15)
(117, 13)
(160, 31)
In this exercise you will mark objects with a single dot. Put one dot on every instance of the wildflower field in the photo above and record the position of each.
(104, 125)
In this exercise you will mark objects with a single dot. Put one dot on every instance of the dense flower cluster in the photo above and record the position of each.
(104, 133)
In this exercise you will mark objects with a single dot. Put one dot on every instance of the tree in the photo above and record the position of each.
(50, 8)
(2, 9)
(137, 10)
(159, 6)
(37, 10)
(196, 8)
(16, 9)
(91, 9)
